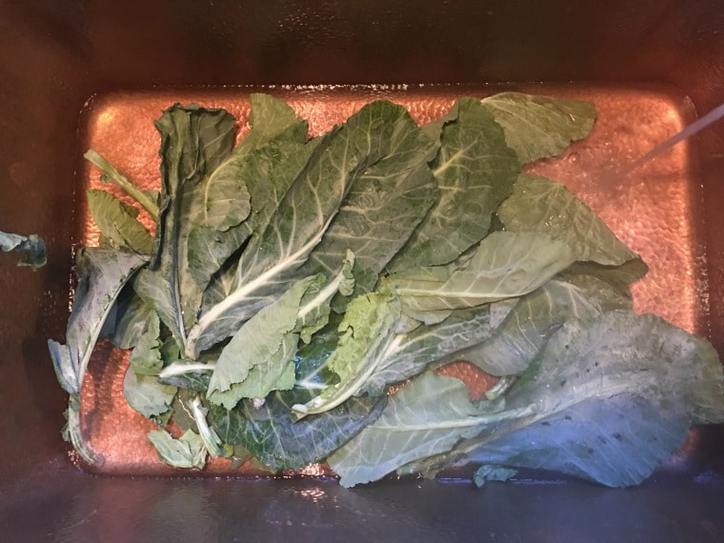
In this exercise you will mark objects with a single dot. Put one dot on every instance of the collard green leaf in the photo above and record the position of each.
(274, 253)
(267, 173)
(209, 250)
(129, 319)
(620, 277)
(194, 142)
(538, 126)
(170, 351)
(314, 307)
(102, 273)
(383, 207)
(366, 333)
(427, 417)
(181, 415)
(420, 347)
(504, 265)
(147, 199)
(368, 320)
(266, 342)
(540, 205)
(612, 398)
(277, 439)
(30, 248)
(311, 375)
(146, 395)
(536, 316)
(276, 374)
(265, 161)
(118, 222)
(271, 118)
(146, 358)
(188, 375)
(475, 171)
(224, 199)
(618, 441)
(186, 452)
(212, 442)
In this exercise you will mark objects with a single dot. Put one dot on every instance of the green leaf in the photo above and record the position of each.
(102, 273)
(475, 171)
(540, 205)
(314, 307)
(147, 199)
(194, 142)
(427, 417)
(117, 222)
(424, 345)
(212, 442)
(146, 358)
(276, 374)
(619, 277)
(186, 452)
(267, 173)
(127, 321)
(271, 118)
(187, 374)
(617, 441)
(366, 333)
(261, 352)
(181, 414)
(612, 398)
(209, 250)
(277, 439)
(224, 199)
(538, 126)
(146, 395)
(30, 248)
(275, 253)
(311, 374)
(536, 316)
(504, 265)
(266, 161)
(487, 473)
(169, 350)
(383, 207)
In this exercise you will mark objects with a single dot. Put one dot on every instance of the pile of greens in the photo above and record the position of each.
(292, 281)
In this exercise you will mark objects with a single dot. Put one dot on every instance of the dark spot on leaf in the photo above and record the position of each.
(545, 423)
(568, 417)
(618, 436)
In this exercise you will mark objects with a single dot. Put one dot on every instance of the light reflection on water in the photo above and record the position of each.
(314, 494)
